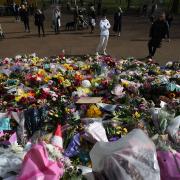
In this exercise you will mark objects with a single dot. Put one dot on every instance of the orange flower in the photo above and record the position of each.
(172, 95)
(78, 77)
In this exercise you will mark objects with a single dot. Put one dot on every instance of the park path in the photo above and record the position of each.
(133, 41)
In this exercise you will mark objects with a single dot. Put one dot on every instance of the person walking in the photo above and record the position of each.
(104, 35)
(157, 33)
(39, 22)
(57, 20)
(92, 19)
(25, 17)
(118, 21)
(169, 19)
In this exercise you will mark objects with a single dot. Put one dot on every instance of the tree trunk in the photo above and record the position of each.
(175, 6)
(128, 4)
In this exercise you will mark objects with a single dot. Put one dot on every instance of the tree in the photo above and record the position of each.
(175, 6)
(128, 4)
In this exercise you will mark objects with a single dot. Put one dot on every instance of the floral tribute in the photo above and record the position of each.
(38, 94)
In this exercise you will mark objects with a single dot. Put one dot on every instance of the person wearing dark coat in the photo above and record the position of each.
(39, 21)
(157, 33)
(25, 17)
(92, 19)
(118, 21)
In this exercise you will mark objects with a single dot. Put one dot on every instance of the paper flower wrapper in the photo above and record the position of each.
(96, 131)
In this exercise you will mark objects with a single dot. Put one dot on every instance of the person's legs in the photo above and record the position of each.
(25, 25)
(55, 26)
(100, 45)
(92, 28)
(153, 51)
(39, 26)
(42, 27)
(105, 44)
(28, 28)
(150, 47)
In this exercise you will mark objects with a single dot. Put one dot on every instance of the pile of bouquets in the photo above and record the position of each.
(38, 94)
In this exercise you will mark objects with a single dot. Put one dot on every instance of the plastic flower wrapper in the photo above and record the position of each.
(174, 129)
(132, 157)
(11, 159)
(44, 167)
(165, 118)
(73, 147)
(107, 107)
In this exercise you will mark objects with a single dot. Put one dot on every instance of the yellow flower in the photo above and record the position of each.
(93, 112)
(2, 77)
(96, 80)
(137, 115)
(47, 78)
(35, 60)
(168, 72)
(42, 72)
(125, 83)
(66, 83)
(21, 94)
(125, 130)
(84, 90)
(58, 75)
(85, 67)
(68, 67)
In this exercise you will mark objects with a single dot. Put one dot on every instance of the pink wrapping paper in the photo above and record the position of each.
(37, 166)
(169, 164)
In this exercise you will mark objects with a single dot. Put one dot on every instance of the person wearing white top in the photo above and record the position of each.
(56, 19)
(104, 36)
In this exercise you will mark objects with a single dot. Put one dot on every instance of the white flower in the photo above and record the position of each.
(86, 83)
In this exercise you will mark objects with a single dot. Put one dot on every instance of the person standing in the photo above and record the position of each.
(92, 19)
(169, 19)
(57, 20)
(39, 21)
(118, 22)
(25, 18)
(76, 17)
(104, 35)
(157, 33)
(16, 11)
